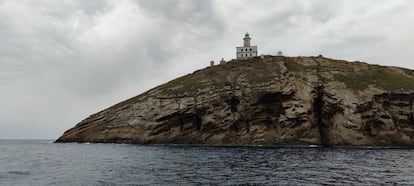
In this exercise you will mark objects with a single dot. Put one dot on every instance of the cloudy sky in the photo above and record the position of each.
(61, 61)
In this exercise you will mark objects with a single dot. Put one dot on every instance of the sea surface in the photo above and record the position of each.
(41, 162)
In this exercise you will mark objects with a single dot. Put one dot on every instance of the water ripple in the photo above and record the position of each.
(45, 163)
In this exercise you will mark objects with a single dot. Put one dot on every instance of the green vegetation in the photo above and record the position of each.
(235, 72)
(355, 75)
(295, 64)
(380, 76)
(292, 64)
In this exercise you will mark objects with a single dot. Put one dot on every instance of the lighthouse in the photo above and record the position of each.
(246, 51)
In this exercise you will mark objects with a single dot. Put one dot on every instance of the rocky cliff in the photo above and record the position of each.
(270, 100)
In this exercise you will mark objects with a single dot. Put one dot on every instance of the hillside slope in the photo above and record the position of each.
(273, 100)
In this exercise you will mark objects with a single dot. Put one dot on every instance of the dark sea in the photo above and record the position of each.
(41, 162)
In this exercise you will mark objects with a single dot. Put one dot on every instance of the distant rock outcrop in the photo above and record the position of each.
(270, 100)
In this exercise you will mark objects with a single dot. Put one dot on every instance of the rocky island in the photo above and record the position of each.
(267, 100)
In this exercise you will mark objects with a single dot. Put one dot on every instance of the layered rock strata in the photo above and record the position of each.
(272, 100)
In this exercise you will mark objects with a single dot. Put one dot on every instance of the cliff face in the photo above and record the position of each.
(266, 101)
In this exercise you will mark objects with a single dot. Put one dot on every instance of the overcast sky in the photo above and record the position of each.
(61, 61)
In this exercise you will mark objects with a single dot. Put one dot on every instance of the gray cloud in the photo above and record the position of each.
(63, 60)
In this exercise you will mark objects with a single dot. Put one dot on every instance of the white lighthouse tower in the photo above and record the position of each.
(246, 51)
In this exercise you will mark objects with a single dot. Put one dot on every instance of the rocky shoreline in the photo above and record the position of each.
(270, 100)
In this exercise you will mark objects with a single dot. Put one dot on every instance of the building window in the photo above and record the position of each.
(250, 49)
(250, 55)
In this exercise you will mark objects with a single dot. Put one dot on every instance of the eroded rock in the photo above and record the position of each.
(265, 101)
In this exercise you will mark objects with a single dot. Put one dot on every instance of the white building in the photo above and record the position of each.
(246, 51)
(211, 63)
(222, 61)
